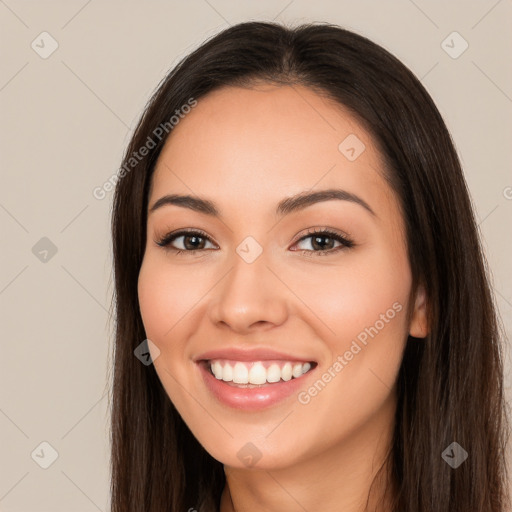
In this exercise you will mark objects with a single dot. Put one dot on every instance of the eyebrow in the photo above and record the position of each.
(284, 207)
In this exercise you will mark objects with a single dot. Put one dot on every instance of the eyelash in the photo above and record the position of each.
(346, 243)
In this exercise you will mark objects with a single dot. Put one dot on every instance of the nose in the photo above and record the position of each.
(250, 297)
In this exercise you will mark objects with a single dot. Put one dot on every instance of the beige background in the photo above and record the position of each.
(65, 121)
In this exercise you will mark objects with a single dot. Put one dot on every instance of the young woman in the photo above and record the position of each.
(296, 253)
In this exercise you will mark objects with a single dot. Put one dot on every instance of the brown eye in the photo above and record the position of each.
(191, 241)
(320, 246)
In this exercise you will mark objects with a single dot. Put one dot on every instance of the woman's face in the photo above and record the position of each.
(261, 296)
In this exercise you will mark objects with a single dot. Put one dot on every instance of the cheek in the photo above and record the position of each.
(155, 304)
(166, 297)
(166, 294)
(363, 304)
(353, 295)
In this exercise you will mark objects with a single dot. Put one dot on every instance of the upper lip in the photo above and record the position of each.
(253, 354)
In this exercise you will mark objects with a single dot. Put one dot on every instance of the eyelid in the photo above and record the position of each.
(166, 239)
(321, 230)
(344, 239)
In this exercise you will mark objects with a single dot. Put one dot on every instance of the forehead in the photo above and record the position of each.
(253, 146)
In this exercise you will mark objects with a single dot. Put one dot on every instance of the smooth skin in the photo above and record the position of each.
(246, 149)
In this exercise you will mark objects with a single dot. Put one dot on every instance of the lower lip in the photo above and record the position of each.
(251, 398)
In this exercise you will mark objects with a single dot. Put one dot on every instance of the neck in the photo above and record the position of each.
(338, 478)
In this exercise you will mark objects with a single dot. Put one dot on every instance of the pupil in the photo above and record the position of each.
(315, 241)
(194, 246)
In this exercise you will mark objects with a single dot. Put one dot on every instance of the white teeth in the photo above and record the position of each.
(227, 373)
(297, 370)
(240, 374)
(286, 372)
(256, 373)
(273, 373)
(217, 370)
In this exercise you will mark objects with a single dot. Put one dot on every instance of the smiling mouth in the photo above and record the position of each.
(253, 374)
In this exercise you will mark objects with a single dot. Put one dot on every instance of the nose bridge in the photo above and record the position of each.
(250, 292)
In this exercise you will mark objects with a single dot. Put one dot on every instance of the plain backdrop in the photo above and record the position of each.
(66, 118)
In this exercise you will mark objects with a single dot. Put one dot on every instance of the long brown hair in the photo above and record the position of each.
(450, 385)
